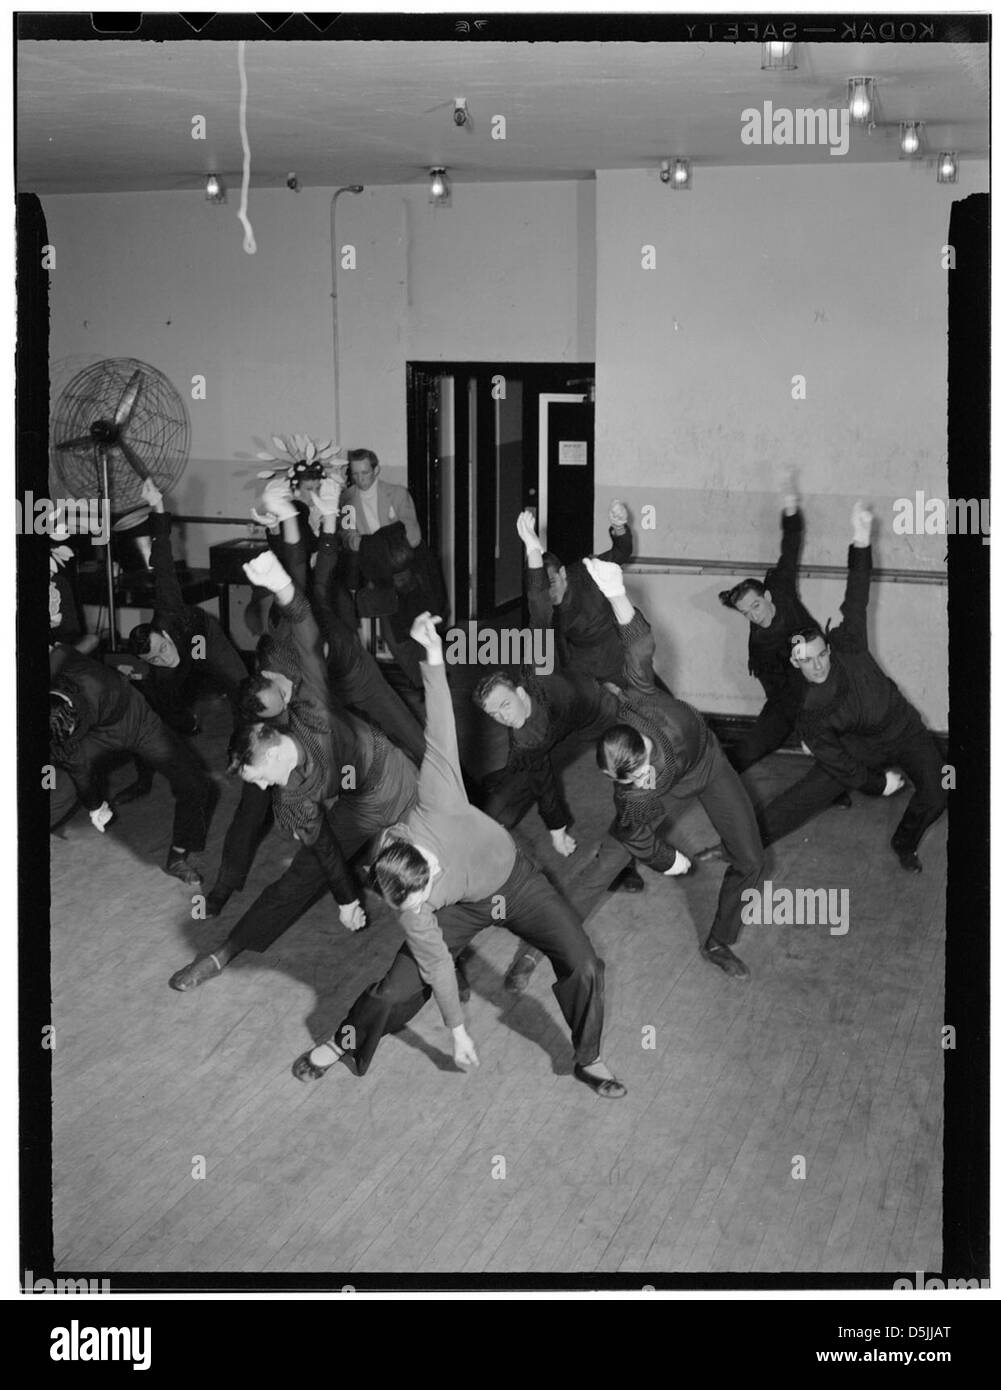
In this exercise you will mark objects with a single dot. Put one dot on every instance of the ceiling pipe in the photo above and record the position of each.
(348, 188)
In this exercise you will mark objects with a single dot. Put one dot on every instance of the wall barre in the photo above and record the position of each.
(649, 564)
(655, 564)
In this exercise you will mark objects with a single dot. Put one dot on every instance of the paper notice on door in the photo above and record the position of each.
(573, 453)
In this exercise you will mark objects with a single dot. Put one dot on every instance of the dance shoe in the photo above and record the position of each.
(607, 1088)
(628, 881)
(180, 866)
(519, 973)
(719, 954)
(909, 860)
(217, 900)
(195, 973)
(303, 1069)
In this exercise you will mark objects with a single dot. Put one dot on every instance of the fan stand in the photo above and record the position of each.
(101, 454)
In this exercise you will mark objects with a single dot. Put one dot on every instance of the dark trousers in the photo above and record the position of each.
(142, 733)
(535, 912)
(798, 804)
(251, 821)
(355, 818)
(769, 731)
(726, 803)
(367, 690)
(920, 759)
(222, 662)
(407, 653)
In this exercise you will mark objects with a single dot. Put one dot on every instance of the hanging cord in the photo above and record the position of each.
(249, 244)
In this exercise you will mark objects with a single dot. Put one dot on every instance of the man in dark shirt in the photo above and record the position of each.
(353, 673)
(182, 640)
(451, 871)
(96, 712)
(661, 746)
(775, 611)
(565, 598)
(335, 781)
(855, 721)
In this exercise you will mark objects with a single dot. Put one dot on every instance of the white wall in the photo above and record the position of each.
(833, 273)
(505, 272)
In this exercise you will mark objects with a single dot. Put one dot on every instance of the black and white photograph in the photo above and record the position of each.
(503, 794)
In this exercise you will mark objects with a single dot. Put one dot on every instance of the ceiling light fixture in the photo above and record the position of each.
(778, 57)
(910, 138)
(676, 173)
(215, 189)
(459, 113)
(440, 191)
(862, 100)
(948, 167)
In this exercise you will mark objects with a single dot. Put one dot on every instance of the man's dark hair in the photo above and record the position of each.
(399, 870)
(621, 752)
(247, 743)
(139, 639)
(247, 704)
(354, 455)
(62, 716)
(551, 561)
(729, 598)
(488, 684)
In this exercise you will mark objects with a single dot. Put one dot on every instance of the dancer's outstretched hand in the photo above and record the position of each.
(526, 530)
(352, 916)
(607, 575)
(618, 514)
(327, 497)
(562, 842)
(424, 630)
(861, 525)
(463, 1051)
(276, 499)
(267, 572)
(152, 495)
(894, 781)
(99, 818)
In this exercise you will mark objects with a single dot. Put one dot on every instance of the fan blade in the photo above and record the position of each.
(135, 516)
(280, 445)
(84, 442)
(133, 460)
(127, 403)
(310, 451)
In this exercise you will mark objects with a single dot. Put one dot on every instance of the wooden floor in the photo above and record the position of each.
(826, 1063)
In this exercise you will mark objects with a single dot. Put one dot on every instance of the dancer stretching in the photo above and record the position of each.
(855, 721)
(663, 746)
(95, 712)
(451, 871)
(336, 781)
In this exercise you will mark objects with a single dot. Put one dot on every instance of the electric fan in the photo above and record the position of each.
(117, 423)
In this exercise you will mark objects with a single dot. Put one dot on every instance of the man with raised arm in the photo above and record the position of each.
(564, 598)
(661, 746)
(855, 721)
(335, 781)
(451, 871)
(182, 641)
(774, 611)
(354, 677)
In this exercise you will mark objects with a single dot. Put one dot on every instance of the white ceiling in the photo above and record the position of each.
(115, 116)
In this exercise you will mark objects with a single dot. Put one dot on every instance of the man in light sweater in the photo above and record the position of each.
(450, 871)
